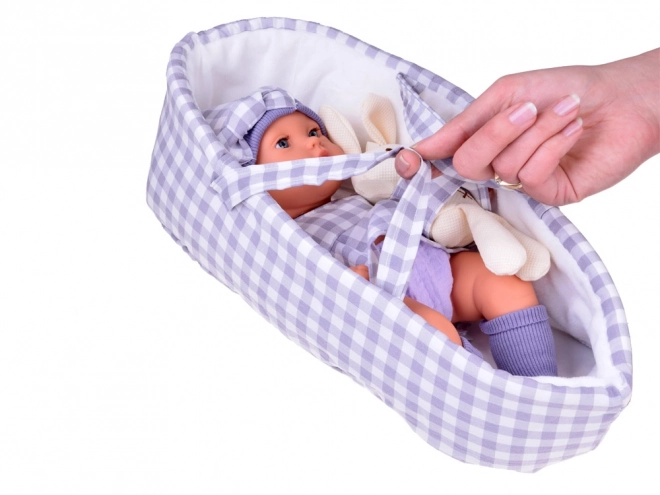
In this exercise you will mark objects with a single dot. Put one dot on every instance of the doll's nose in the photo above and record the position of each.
(315, 146)
(313, 141)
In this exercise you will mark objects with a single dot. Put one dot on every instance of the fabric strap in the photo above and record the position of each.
(402, 223)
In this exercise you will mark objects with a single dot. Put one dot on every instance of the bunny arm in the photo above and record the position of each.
(504, 249)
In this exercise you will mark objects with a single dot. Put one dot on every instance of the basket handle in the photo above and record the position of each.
(391, 270)
(236, 184)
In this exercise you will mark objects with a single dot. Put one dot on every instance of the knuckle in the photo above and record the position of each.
(503, 82)
(530, 179)
(506, 86)
(535, 176)
(461, 163)
(505, 168)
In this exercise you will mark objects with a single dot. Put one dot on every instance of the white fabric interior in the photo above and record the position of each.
(315, 69)
(318, 70)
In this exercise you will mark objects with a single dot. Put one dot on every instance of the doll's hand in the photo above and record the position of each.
(361, 270)
(528, 128)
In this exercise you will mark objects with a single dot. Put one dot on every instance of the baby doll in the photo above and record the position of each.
(443, 288)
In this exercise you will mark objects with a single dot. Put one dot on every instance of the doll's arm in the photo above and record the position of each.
(361, 270)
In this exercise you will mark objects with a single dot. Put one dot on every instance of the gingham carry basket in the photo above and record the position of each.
(221, 215)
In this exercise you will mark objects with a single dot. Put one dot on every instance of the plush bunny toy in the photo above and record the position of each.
(461, 221)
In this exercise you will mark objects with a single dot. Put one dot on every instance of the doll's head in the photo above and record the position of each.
(292, 135)
(255, 135)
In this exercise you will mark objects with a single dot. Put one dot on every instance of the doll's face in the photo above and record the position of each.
(294, 137)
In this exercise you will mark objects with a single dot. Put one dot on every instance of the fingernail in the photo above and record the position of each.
(566, 105)
(400, 164)
(573, 127)
(524, 114)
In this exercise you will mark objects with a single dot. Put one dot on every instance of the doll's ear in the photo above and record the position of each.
(379, 119)
(339, 130)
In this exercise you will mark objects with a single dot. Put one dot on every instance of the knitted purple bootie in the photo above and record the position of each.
(522, 343)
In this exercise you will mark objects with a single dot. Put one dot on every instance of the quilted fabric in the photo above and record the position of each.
(218, 212)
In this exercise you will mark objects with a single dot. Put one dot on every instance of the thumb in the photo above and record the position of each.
(407, 165)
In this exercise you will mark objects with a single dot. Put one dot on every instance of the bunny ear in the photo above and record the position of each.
(339, 130)
(379, 119)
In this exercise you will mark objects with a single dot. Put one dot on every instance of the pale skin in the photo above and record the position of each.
(564, 133)
(476, 294)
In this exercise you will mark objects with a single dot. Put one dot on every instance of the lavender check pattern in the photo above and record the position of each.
(217, 211)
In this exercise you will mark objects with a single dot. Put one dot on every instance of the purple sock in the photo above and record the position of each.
(522, 343)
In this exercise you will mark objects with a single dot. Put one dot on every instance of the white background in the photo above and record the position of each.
(124, 368)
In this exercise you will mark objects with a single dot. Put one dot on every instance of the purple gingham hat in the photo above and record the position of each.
(241, 124)
(254, 135)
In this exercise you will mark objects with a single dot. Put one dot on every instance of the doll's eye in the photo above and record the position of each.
(282, 143)
(316, 132)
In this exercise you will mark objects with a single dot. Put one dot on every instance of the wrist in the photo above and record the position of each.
(636, 81)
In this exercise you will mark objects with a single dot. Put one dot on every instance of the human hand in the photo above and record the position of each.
(563, 133)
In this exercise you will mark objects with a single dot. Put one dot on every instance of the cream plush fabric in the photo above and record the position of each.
(505, 250)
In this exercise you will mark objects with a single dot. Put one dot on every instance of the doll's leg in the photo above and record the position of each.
(478, 293)
(517, 326)
(432, 317)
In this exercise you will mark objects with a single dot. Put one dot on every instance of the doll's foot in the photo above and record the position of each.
(432, 317)
(435, 319)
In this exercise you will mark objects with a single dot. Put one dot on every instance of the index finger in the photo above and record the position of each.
(452, 135)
